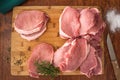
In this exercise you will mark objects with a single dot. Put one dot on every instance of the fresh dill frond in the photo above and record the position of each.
(47, 69)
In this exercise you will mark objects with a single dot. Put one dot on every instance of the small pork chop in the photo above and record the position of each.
(28, 22)
(31, 24)
(42, 52)
(69, 24)
(88, 19)
(70, 56)
(98, 69)
(79, 22)
(92, 65)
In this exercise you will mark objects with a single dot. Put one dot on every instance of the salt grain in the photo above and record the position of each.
(113, 18)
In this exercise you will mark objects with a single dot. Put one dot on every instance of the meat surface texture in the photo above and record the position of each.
(35, 35)
(41, 52)
(69, 24)
(30, 23)
(90, 63)
(70, 54)
(84, 29)
(88, 19)
(79, 22)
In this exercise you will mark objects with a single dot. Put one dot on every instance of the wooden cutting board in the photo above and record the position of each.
(21, 48)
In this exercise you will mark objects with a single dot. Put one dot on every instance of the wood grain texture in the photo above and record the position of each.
(115, 38)
(5, 39)
(21, 48)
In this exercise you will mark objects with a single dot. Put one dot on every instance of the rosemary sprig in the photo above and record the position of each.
(47, 69)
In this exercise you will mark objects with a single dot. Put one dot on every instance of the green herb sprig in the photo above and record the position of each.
(47, 69)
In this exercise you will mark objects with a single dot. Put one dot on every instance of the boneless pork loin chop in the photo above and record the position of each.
(91, 66)
(69, 24)
(83, 28)
(88, 19)
(79, 22)
(30, 24)
(71, 55)
(34, 35)
(41, 52)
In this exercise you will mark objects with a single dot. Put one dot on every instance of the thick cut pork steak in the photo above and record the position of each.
(70, 56)
(41, 52)
(69, 24)
(30, 24)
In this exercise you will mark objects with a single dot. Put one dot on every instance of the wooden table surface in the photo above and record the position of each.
(5, 39)
(115, 38)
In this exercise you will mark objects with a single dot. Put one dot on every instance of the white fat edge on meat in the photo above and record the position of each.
(88, 49)
(95, 58)
(113, 18)
(64, 45)
(20, 31)
(72, 43)
(67, 44)
(38, 24)
(35, 35)
(29, 38)
(44, 20)
(60, 30)
(99, 59)
(96, 9)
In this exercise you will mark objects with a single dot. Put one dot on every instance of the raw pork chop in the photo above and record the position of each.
(98, 69)
(69, 24)
(92, 65)
(42, 52)
(35, 35)
(99, 26)
(88, 19)
(28, 22)
(80, 22)
(70, 56)
(31, 24)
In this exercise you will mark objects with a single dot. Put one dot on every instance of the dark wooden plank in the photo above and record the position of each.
(115, 38)
(109, 72)
(5, 32)
(1, 40)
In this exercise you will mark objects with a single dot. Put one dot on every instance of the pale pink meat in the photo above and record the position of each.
(41, 52)
(69, 24)
(59, 54)
(79, 22)
(88, 19)
(98, 69)
(31, 24)
(28, 22)
(84, 29)
(35, 35)
(89, 64)
(99, 26)
(70, 56)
